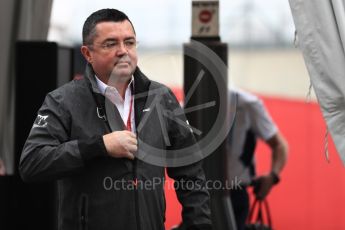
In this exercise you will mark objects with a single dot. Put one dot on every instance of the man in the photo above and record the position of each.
(252, 121)
(93, 153)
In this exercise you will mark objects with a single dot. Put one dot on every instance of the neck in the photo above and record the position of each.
(121, 88)
(120, 83)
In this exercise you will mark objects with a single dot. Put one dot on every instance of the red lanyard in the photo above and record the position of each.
(129, 119)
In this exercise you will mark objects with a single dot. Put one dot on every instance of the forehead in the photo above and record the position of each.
(114, 30)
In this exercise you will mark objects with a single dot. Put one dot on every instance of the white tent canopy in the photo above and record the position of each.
(320, 27)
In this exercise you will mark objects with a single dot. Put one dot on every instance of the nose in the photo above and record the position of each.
(121, 49)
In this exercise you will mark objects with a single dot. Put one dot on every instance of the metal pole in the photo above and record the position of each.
(200, 88)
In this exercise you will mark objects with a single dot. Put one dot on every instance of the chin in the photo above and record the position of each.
(122, 75)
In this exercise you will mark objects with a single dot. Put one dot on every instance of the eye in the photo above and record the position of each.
(109, 45)
(130, 43)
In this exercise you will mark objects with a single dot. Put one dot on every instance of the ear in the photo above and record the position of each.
(86, 53)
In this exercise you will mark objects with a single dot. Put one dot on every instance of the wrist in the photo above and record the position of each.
(92, 147)
(275, 177)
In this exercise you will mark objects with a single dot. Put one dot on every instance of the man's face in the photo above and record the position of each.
(113, 52)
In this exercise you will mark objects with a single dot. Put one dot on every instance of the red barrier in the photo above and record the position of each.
(311, 192)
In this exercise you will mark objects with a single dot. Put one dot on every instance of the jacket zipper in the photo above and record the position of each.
(136, 194)
(83, 212)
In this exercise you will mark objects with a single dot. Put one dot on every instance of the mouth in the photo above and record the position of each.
(123, 61)
(122, 64)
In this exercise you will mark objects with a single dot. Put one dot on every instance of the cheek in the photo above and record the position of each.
(103, 65)
(134, 58)
(105, 61)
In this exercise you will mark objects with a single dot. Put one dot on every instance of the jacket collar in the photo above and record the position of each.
(142, 85)
(141, 89)
(141, 82)
(90, 76)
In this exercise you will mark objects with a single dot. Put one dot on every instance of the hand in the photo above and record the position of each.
(121, 144)
(262, 186)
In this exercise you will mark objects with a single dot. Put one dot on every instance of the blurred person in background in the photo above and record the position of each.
(252, 121)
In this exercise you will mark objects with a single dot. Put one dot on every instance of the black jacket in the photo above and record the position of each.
(96, 191)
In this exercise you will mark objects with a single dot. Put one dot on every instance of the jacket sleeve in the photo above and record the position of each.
(190, 179)
(49, 153)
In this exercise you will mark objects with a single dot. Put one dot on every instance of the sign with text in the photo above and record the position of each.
(205, 18)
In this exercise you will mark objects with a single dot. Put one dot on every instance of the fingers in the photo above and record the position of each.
(130, 156)
(121, 144)
(259, 196)
(129, 133)
(132, 140)
(258, 191)
(262, 187)
(132, 145)
(132, 134)
(131, 150)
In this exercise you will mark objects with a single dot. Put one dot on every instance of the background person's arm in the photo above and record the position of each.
(264, 183)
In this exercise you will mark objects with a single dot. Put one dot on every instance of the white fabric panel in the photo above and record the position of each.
(321, 37)
(339, 12)
(34, 19)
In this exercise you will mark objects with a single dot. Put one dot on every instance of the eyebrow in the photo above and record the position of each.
(115, 40)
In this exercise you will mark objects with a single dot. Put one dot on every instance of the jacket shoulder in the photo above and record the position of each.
(163, 89)
(155, 85)
(70, 90)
